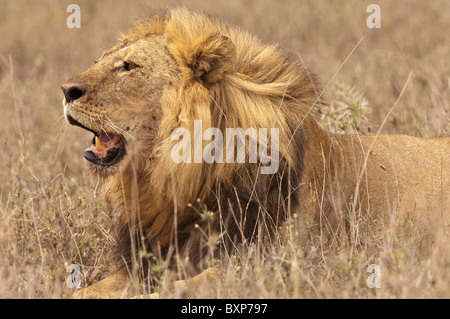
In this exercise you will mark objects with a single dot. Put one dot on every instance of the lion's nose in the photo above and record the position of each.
(72, 91)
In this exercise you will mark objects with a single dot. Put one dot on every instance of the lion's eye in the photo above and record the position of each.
(127, 66)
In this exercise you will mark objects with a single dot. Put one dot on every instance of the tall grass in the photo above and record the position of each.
(50, 218)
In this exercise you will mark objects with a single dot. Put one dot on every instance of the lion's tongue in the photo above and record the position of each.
(104, 142)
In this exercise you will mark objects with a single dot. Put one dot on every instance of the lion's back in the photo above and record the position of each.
(400, 173)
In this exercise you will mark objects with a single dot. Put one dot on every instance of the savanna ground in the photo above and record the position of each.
(50, 216)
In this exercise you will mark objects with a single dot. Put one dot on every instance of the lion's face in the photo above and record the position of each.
(118, 99)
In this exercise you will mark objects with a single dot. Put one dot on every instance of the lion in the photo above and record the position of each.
(177, 67)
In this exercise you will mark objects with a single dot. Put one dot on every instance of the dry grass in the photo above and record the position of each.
(49, 217)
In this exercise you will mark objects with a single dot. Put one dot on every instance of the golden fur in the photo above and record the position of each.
(189, 66)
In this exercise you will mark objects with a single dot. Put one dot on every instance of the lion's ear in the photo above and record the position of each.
(211, 58)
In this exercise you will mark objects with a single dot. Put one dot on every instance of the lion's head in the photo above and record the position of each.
(166, 72)
(118, 99)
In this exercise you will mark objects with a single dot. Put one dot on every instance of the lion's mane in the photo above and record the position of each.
(227, 79)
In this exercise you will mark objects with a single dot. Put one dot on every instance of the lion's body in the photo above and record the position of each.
(377, 184)
(188, 66)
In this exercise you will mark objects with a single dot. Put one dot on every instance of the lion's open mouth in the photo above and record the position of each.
(106, 148)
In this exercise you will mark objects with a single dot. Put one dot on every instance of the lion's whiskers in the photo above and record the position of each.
(118, 129)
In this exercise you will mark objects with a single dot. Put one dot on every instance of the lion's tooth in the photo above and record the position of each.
(98, 145)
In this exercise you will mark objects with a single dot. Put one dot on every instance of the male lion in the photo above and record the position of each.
(177, 67)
